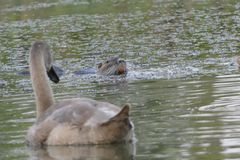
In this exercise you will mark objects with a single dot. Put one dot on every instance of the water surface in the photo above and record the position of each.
(183, 83)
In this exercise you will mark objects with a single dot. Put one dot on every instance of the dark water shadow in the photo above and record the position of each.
(104, 152)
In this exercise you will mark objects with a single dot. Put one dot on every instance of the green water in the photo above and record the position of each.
(183, 83)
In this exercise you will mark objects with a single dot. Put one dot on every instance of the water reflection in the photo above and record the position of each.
(222, 91)
(106, 152)
(216, 121)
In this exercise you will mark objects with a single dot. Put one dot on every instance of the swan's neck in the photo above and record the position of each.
(42, 89)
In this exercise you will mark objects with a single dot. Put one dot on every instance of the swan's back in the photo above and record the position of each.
(84, 121)
(82, 109)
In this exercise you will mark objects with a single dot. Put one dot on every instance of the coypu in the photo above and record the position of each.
(73, 121)
(112, 66)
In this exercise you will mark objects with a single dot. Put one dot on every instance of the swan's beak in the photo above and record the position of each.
(53, 75)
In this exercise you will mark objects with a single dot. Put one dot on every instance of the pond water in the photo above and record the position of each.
(183, 83)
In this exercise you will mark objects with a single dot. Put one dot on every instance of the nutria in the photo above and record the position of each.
(74, 121)
(113, 66)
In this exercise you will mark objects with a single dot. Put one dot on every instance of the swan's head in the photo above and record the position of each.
(42, 48)
(113, 66)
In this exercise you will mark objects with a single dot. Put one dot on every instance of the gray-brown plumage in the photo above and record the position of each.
(75, 121)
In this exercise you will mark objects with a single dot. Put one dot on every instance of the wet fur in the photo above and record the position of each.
(113, 66)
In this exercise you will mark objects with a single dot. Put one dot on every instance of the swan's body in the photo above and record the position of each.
(75, 121)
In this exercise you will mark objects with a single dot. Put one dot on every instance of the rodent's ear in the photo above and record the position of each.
(99, 65)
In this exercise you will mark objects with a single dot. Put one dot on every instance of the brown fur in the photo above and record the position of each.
(72, 122)
(112, 66)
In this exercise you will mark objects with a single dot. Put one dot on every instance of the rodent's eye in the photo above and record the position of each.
(107, 61)
(99, 65)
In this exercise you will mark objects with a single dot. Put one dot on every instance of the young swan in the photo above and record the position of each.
(75, 121)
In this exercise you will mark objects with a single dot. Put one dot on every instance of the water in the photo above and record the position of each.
(183, 83)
